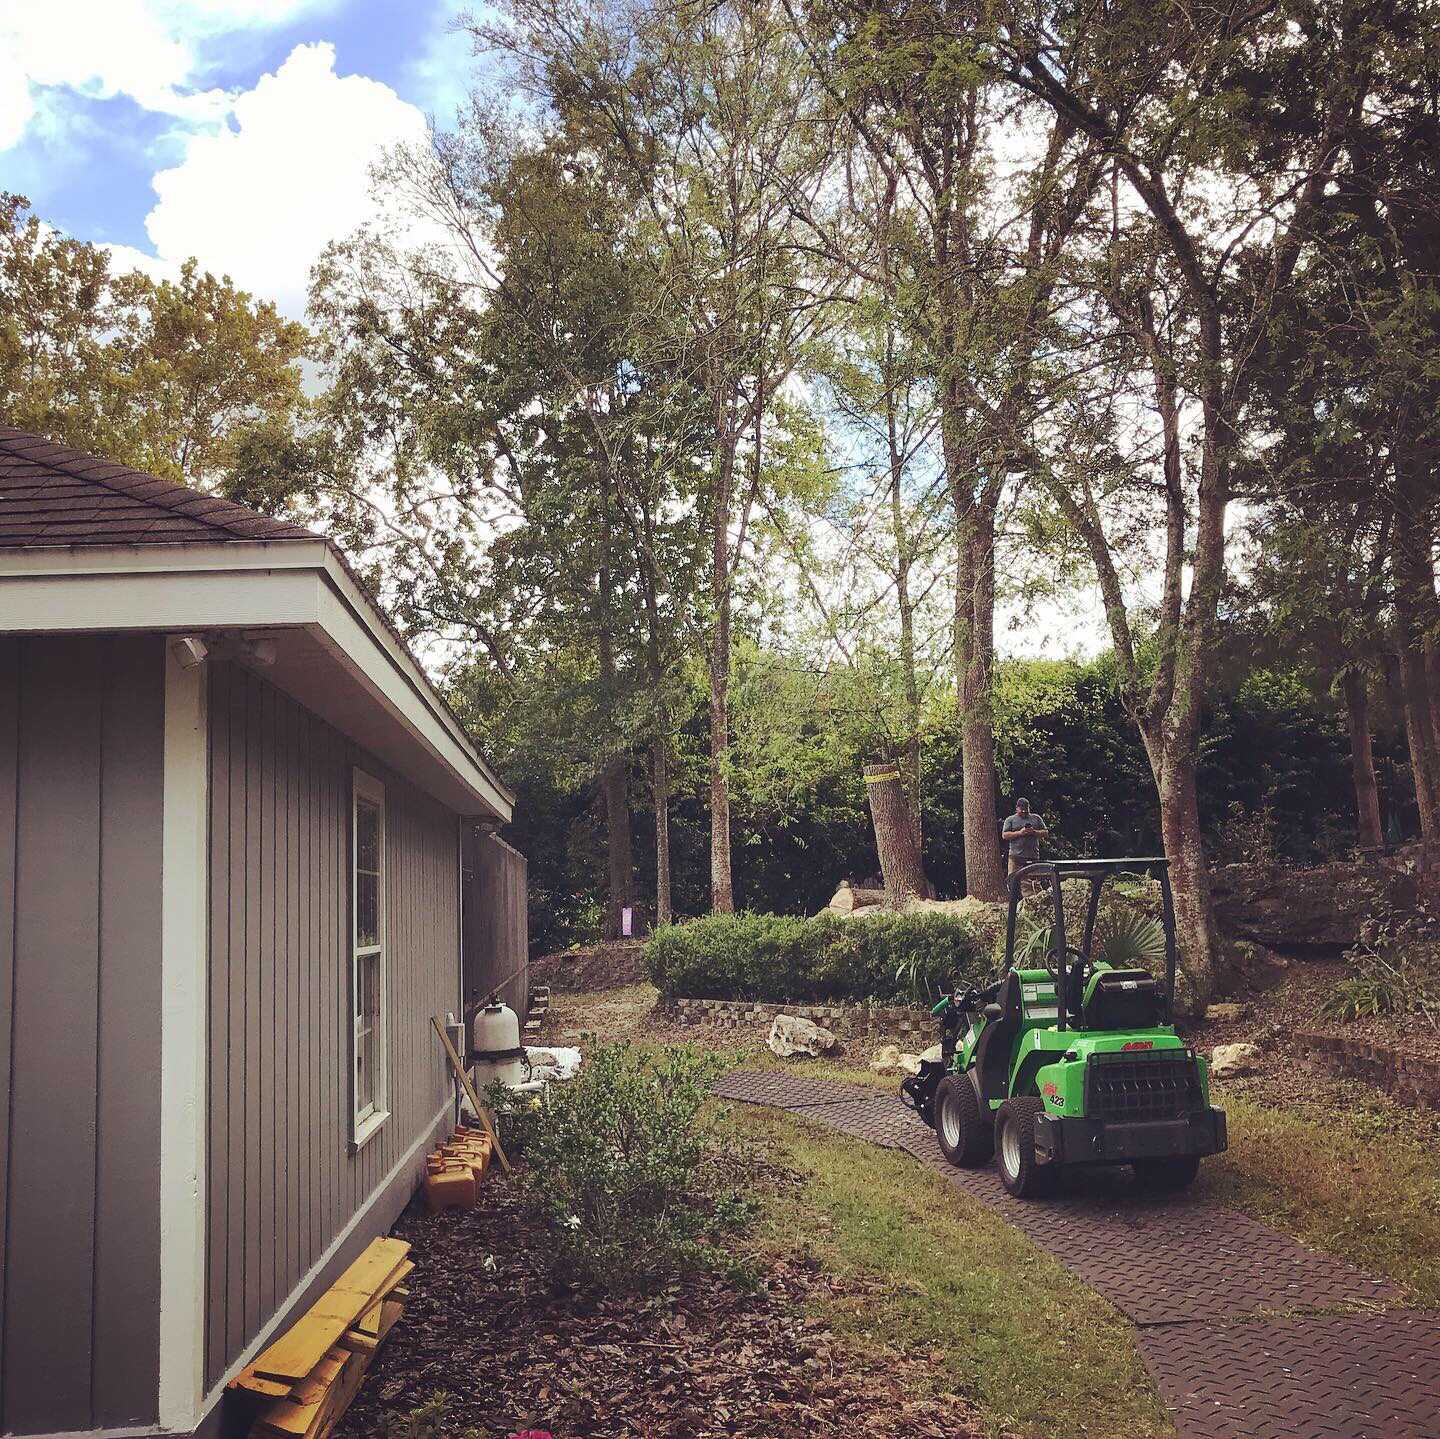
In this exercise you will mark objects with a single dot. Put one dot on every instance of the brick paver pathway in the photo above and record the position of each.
(1248, 1334)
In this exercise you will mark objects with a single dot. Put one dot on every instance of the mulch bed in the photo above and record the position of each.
(487, 1327)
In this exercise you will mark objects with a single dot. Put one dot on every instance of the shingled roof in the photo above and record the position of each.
(53, 495)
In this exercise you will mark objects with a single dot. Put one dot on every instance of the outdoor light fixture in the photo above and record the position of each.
(189, 651)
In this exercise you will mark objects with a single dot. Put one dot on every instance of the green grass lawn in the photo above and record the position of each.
(938, 1274)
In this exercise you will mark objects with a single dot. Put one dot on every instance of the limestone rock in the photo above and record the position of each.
(1229, 1061)
(791, 1035)
(1224, 1013)
(886, 1059)
(910, 1063)
(1319, 910)
(1253, 967)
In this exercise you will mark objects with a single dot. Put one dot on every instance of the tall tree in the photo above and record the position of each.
(188, 379)
(704, 109)
(972, 262)
(1201, 246)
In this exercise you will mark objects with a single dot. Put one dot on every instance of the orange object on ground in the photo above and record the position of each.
(452, 1187)
(468, 1152)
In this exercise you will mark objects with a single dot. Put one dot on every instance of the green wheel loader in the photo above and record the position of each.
(1072, 1065)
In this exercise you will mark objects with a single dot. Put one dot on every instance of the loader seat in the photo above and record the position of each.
(996, 1046)
(1123, 999)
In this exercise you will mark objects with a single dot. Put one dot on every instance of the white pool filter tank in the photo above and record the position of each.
(495, 1048)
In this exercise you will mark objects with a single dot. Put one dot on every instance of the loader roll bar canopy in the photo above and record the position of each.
(1070, 981)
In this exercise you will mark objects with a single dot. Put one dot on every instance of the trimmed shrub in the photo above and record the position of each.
(888, 957)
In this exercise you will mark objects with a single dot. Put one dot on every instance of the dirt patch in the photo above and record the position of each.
(495, 1348)
(600, 966)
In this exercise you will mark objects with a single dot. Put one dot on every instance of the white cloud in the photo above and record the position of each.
(16, 103)
(259, 198)
(124, 258)
(144, 49)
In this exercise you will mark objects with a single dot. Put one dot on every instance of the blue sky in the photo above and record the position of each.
(99, 97)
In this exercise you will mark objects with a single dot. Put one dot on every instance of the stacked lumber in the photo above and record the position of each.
(454, 1171)
(306, 1379)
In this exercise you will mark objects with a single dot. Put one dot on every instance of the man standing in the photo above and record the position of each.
(1023, 831)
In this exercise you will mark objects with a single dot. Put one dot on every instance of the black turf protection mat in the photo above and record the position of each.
(1371, 1376)
(1159, 1259)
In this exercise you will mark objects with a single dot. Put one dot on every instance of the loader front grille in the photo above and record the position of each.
(1133, 1087)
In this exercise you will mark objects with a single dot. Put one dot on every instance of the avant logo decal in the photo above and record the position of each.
(1051, 1093)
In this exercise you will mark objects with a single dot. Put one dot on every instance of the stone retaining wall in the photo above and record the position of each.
(844, 1019)
(1410, 1078)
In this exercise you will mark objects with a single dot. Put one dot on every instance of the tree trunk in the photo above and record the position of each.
(722, 889)
(1196, 935)
(614, 775)
(620, 862)
(894, 833)
(1414, 602)
(905, 603)
(1368, 831)
(975, 662)
(660, 781)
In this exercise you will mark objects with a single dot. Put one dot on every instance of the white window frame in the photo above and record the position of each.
(364, 1125)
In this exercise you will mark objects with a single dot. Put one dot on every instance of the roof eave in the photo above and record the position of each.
(275, 572)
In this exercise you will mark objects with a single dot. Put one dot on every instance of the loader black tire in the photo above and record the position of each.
(966, 1136)
(1020, 1172)
(1165, 1176)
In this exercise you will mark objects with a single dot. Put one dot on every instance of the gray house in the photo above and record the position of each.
(231, 820)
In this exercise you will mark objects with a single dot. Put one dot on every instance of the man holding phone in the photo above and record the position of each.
(1023, 831)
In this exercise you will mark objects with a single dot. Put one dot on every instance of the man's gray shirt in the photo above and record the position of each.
(1024, 846)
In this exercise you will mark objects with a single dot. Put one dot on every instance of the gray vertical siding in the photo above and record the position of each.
(81, 775)
(283, 1179)
(497, 940)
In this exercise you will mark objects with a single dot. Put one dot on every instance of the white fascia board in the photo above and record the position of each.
(90, 600)
(347, 605)
(241, 585)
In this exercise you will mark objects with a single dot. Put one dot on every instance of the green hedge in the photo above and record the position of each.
(892, 958)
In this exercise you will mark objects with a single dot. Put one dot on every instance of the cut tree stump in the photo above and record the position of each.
(895, 840)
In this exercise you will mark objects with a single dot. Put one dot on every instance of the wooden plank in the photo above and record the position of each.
(316, 1404)
(296, 1353)
(253, 1383)
(303, 1345)
(372, 1327)
(378, 1262)
(481, 1112)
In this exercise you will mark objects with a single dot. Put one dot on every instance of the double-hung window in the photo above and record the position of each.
(367, 954)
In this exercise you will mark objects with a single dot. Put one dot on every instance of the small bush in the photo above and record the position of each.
(1395, 969)
(892, 958)
(516, 1116)
(624, 1166)
(1362, 996)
